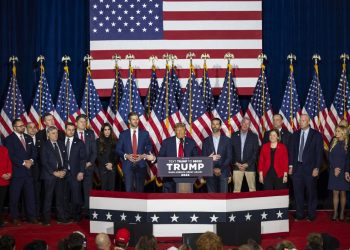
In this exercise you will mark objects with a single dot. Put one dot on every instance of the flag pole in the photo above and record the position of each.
(65, 60)
(40, 59)
(291, 57)
(13, 60)
(344, 57)
(261, 58)
(205, 57)
(87, 59)
(190, 55)
(152, 59)
(167, 57)
(116, 58)
(229, 56)
(317, 58)
(130, 57)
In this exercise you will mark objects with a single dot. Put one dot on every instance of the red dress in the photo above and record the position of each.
(5, 165)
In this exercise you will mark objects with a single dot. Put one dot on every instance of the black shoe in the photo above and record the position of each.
(46, 223)
(16, 222)
(34, 221)
(298, 218)
(310, 219)
(64, 221)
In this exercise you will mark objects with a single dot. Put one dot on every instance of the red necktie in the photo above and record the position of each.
(82, 137)
(23, 142)
(134, 143)
(180, 152)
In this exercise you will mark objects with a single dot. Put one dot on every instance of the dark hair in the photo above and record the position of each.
(217, 119)
(81, 116)
(75, 241)
(278, 114)
(277, 132)
(7, 242)
(132, 114)
(104, 141)
(36, 245)
(146, 242)
(314, 242)
(69, 124)
(14, 122)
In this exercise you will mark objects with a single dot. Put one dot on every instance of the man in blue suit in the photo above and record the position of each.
(306, 157)
(76, 155)
(54, 168)
(87, 136)
(22, 153)
(133, 148)
(218, 147)
(177, 146)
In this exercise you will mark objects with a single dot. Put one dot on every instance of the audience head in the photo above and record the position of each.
(36, 245)
(122, 238)
(146, 242)
(250, 245)
(18, 126)
(245, 124)
(215, 125)
(314, 241)
(32, 129)
(180, 130)
(102, 241)
(52, 133)
(274, 135)
(70, 129)
(285, 245)
(81, 121)
(133, 119)
(49, 120)
(304, 121)
(75, 241)
(7, 242)
(277, 121)
(209, 241)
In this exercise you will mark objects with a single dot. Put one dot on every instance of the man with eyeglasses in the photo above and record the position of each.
(22, 153)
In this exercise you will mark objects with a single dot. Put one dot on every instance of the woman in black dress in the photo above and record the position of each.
(338, 171)
(107, 157)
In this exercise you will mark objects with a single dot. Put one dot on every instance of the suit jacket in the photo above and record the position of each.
(280, 159)
(312, 154)
(77, 157)
(285, 137)
(224, 150)
(18, 154)
(90, 145)
(250, 150)
(49, 161)
(124, 146)
(41, 137)
(168, 148)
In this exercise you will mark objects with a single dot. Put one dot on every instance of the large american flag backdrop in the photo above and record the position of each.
(174, 214)
(155, 27)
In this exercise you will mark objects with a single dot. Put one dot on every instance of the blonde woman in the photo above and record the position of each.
(338, 173)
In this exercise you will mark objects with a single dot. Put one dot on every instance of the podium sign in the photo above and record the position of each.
(185, 167)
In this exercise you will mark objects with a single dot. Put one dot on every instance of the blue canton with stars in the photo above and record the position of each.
(14, 106)
(207, 93)
(152, 92)
(126, 19)
(91, 102)
(118, 85)
(46, 99)
(342, 96)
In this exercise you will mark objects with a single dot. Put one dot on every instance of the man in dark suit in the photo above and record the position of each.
(177, 146)
(306, 157)
(41, 136)
(54, 167)
(245, 147)
(133, 148)
(277, 124)
(218, 147)
(22, 153)
(87, 136)
(76, 155)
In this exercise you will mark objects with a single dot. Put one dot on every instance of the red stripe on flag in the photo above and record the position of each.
(212, 15)
(212, 34)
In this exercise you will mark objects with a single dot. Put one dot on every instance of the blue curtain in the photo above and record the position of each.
(54, 28)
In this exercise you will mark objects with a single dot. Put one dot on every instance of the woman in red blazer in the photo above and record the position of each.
(273, 163)
(5, 176)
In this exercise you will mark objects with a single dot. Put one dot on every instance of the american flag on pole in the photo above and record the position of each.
(340, 107)
(207, 91)
(259, 109)
(152, 92)
(66, 107)
(92, 106)
(193, 112)
(315, 107)
(13, 107)
(177, 86)
(228, 108)
(112, 115)
(42, 103)
(165, 114)
(290, 109)
(146, 28)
